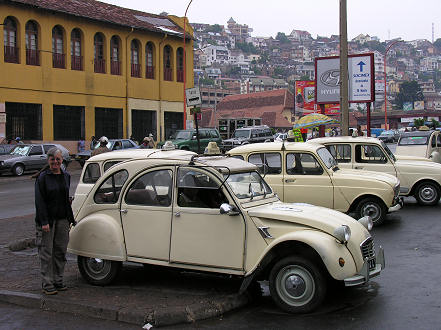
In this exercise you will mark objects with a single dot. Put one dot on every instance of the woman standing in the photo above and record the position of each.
(53, 217)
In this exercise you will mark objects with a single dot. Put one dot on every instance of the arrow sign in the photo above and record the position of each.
(361, 63)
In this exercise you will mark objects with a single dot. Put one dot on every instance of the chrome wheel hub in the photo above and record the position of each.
(295, 285)
(371, 210)
(427, 194)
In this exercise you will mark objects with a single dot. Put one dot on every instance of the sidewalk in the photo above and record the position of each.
(140, 295)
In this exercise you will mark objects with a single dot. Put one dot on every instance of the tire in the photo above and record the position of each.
(297, 285)
(18, 169)
(372, 207)
(427, 194)
(98, 271)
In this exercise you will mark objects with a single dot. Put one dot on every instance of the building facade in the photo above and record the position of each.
(71, 70)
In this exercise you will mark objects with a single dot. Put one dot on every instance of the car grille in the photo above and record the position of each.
(368, 251)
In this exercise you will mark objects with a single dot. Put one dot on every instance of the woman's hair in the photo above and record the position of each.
(51, 153)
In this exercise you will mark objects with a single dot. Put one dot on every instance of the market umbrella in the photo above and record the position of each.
(313, 120)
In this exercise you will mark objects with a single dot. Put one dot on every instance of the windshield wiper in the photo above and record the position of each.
(335, 168)
(251, 191)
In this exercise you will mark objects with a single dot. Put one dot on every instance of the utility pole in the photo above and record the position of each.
(344, 105)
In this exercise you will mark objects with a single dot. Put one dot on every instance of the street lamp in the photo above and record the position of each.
(385, 85)
(185, 65)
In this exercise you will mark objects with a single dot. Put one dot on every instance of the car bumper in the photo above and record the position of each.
(397, 205)
(365, 274)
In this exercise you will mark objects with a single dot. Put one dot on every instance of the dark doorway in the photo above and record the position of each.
(109, 123)
(143, 123)
(23, 120)
(173, 121)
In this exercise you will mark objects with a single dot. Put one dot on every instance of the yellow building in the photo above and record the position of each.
(73, 69)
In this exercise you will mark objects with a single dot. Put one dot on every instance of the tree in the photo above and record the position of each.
(216, 28)
(282, 38)
(305, 77)
(246, 47)
(418, 122)
(410, 91)
(435, 123)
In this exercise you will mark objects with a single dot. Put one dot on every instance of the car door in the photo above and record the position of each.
(371, 157)
(305, 180)
(36, 158)
(146, 211)
(342, 152)
(200, 234)
(273, 170)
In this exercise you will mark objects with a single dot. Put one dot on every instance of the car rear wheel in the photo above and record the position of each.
(297, 285)
(372, 207)
(18, 169)
(98, 271)
(427, 193)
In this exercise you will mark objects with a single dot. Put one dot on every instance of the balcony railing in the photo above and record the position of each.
(100, 66)
(150, 72)
(11, 54)
(32, 57)
(168, 74)
(76, 63)
(58, 60)
(136, 70)
(115, 68)
(180, 75)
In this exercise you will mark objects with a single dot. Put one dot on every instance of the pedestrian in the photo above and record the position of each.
(93, 142)
(52, 219)
(133, 139)
(147, 143)
(81, 145)
(18, 140)
(102, 148)
(359, 131)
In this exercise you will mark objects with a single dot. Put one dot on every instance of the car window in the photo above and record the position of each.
(199, 190)
(151, 189)
(413, 140)
(302, 164)
(117, 145)
(36, 150)
(109, 190)
(244, 133)
(109, 164)
(433, 141)
(127, 144)
(341, 152)
(47, 147)
(91, 173)
(273, 161)
(237, 156)
(369, 154)
(439, 140)
(203, 134)
(20, 150)
(214, 134)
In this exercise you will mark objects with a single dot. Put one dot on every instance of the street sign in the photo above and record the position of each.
(361, 79)
(193, 97)
(199, 116)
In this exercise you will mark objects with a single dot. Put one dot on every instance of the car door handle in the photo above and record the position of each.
(290, 180)
(123, 211)
(358, 167)
(177, 214)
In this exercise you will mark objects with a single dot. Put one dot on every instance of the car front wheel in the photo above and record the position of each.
(372, 207)
(98, 271)
(18, 169)
(297, 285)
(427, 193)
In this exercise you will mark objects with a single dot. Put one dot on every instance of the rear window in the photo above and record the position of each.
(91, 173)
(413, 140)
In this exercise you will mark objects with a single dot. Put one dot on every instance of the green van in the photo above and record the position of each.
(186, 139)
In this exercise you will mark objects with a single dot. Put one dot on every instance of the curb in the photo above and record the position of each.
(160, 317)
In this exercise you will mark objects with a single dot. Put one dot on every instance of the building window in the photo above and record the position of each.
(115, 64)
(23, 120)
(134, 51)
(75, 50)
(180, 65)
(32, 52)
(143, 123)
(98, 55)
(168, 64)
(10, 40)
(109, 122)
(68, 123)
(149, 59)
(58, 56)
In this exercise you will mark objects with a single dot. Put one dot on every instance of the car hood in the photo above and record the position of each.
(7, 157)
(84, 153)
(365, 175)
(308, 215)
(234, 139)
(425, 166)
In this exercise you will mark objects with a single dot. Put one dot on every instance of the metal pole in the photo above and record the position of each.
(385, 91)
(344, 108)
(368, 118)
(322, 127)
(185, 65)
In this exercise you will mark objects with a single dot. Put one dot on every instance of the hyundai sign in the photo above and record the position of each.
(361, 79)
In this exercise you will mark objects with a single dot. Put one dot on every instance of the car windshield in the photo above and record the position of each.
(248, 185)
(20, 150)
(326, 157)
(386, 133)
(242, 134)
(108, 145)
(413, 140)
(183, 135)
(391, 155)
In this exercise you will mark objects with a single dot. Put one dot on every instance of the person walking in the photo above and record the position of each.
(102, 148)
(93, 141)
(52, 219)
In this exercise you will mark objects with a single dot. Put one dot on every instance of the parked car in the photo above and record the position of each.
(416, 144)
(187, 140)
(95, 167)
(114, 144)
(216, 214)
(389, 136)
(28, 157)
(246, 135)
(6, 148)
(308, 173)
(280, 136)
(421, 179)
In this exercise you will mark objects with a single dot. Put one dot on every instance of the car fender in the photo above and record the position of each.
(98, 236)
(435, 156)
(326, 246)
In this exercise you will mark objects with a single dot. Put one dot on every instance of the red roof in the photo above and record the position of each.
(100, 11)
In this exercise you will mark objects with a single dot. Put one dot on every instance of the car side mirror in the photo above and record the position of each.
(228, 209)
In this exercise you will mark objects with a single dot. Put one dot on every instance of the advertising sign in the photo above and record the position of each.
(305, 99)
(407, 106)
(418, 105)
(361, 79)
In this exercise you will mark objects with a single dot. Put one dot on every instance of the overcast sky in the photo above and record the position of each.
(409, 19)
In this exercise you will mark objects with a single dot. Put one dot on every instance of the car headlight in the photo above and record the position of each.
(366, 222)
(236, 142)
(2, 163)
(343, 233)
